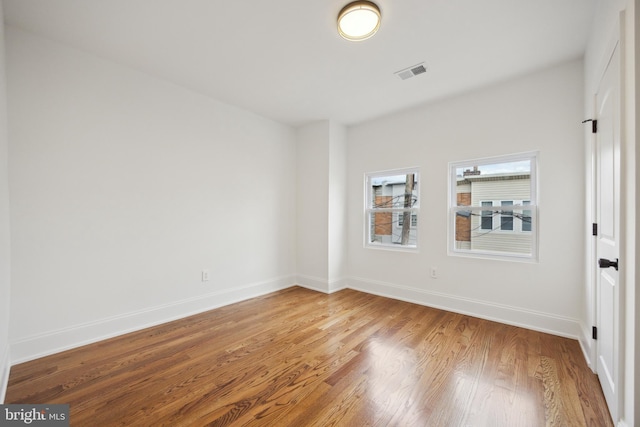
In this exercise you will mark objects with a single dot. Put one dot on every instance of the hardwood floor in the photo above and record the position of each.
(302, 358)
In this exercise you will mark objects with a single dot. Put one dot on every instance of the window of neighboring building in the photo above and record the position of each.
(414, 220)
(492, 204)
(392, 209)
(486, 222)
(506, 217)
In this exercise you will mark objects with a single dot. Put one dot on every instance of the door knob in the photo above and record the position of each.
(605, 263)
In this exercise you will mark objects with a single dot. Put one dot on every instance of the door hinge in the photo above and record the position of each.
(594, 229)
(594, 333)
(594, 124)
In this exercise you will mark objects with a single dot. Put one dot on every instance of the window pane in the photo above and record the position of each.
(497, 181)
(392, 208)
(395, 191)
(493, 205)
(388, 228)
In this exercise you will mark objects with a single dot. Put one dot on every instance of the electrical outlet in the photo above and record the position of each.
(205, 275)
(434, 272)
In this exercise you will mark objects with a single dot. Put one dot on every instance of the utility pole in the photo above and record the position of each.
(406, 215)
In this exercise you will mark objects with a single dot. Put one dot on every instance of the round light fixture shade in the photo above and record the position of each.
(359, 20)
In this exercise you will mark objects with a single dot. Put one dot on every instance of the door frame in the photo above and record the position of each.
(616, 42)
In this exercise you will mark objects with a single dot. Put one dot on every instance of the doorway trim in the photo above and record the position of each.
(590, 348)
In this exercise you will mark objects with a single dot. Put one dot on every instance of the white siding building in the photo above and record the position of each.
(505, 226)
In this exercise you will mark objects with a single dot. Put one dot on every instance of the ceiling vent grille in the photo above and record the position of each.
(412, 71)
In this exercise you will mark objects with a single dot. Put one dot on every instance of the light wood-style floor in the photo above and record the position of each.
(302, 358)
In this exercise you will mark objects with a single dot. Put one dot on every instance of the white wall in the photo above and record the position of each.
(541, 111)
(321, 209)
(608, 27)
(123, 188)
(4, 226)
(312, 205)
(337, 207)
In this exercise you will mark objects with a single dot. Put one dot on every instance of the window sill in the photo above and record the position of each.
(391, 247)
(522, 258)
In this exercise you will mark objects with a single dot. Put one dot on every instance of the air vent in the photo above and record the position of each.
(418, 70)
(412, 71)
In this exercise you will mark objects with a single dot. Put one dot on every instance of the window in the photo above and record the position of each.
(492, 205)
(506, 217)
(414, 220)
(392, 209)
(486, 222)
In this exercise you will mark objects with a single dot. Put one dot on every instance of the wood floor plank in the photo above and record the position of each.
(302, 358)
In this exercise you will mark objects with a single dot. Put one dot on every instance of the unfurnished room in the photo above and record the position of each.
(314, 213)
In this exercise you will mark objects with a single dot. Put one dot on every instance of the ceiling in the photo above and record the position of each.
(284, 59)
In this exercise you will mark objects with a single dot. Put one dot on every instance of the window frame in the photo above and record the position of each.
(518, 207)
(370, 209)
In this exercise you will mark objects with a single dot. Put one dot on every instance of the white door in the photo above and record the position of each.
(608, 237)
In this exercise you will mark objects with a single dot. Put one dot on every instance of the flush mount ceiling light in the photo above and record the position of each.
(359, 20)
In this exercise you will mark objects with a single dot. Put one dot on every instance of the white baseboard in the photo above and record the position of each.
(33, 347)
(5, 368)
(314, 283)
(516, 316)
(338, 284)
(319, 284)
